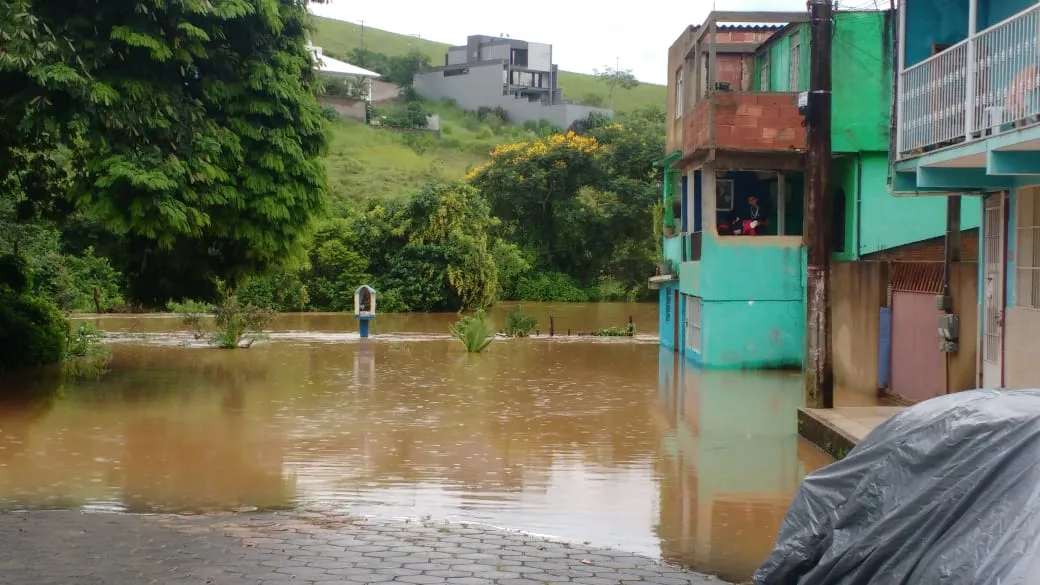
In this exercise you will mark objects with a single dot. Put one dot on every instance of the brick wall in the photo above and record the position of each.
(673, 136)
(733, 68)
(746, 121)
(930, 250)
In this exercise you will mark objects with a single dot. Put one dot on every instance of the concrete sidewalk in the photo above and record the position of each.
(73, 548)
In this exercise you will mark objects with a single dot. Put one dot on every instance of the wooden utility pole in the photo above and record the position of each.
(819, 363)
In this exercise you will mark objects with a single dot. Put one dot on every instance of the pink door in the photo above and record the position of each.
(918, 365)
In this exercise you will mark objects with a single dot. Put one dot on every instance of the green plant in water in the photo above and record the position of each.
(519, 323)
(628, 331)
(85, 353)
(474, 331)
(236, 323)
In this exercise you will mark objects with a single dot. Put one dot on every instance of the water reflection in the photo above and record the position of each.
(613, 442)
(733, 461)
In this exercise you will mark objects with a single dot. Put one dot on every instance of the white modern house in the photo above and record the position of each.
(341, 69)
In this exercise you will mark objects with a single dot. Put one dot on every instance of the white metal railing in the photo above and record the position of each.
(933, 102)
(978, 86)
(1008, 72)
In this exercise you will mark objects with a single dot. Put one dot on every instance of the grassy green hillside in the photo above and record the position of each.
(342, 37)
(366, 162)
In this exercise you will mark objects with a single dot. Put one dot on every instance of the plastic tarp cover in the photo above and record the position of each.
(947, 491)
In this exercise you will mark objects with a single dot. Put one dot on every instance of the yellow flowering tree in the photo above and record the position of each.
(535, 188)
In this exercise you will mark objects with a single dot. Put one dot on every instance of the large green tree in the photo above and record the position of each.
(582, 201)
(188, 129)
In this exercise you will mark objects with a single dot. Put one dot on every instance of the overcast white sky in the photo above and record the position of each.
(585, 35)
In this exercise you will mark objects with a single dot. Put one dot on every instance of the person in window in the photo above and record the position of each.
(755, 223)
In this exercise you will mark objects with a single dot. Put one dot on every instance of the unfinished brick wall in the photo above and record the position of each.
(930, 250)
(733, 68)
(746, 121)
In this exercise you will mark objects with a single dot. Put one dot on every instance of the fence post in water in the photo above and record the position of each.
(552, 326)
(568, 333)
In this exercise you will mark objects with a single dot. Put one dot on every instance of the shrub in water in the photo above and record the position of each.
(236, 323)
(519, 323)
(475, 332)
(85, 354)
(628, 331)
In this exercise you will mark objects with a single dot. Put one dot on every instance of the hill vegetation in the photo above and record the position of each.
(371, 163)
(123, 187)
(340, 38)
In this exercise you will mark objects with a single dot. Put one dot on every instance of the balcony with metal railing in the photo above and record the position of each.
(984, 85)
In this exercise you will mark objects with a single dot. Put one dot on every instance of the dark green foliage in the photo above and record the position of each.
(590, 122)
(582, 206)
(14, 273)
(282, 292)
(32, 329)
(400, 70)
(353, 88)
(408, 114)
(432, 253)
(189, 129)
(550, 286)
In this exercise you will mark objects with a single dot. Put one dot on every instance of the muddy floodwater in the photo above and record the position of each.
(613, 442)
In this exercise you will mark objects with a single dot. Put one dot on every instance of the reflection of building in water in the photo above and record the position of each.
(734, 463)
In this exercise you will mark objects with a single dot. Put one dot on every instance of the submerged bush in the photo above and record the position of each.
(519, 323)
(236, 323)
(627, 331)
(85, 353)
(475, 332)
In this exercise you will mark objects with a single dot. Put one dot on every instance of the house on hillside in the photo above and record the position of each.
(354, 93)
(736, 154)
(495, 72)
(968, 129)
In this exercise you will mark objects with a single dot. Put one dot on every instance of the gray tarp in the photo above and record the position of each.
(947, 491)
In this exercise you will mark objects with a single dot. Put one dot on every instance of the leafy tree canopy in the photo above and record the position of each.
(187, 129)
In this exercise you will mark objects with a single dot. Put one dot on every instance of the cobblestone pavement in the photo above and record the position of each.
(74, 548)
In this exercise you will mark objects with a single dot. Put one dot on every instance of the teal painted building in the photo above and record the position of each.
(968, 126)
(737, 301)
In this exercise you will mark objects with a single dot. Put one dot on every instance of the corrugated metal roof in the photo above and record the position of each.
(332, 66)
(920, 277)
(734, 27)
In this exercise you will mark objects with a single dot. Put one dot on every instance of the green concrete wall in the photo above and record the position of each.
(861, 56)
(844, 176)
(753, 302)
(887, 221)
(673, 249)
(753, 334)
(875, 220)
(778, 55)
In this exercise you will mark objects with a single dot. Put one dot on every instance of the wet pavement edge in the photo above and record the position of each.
(74, 548)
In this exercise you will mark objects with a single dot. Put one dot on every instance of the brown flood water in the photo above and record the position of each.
(610, 441)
